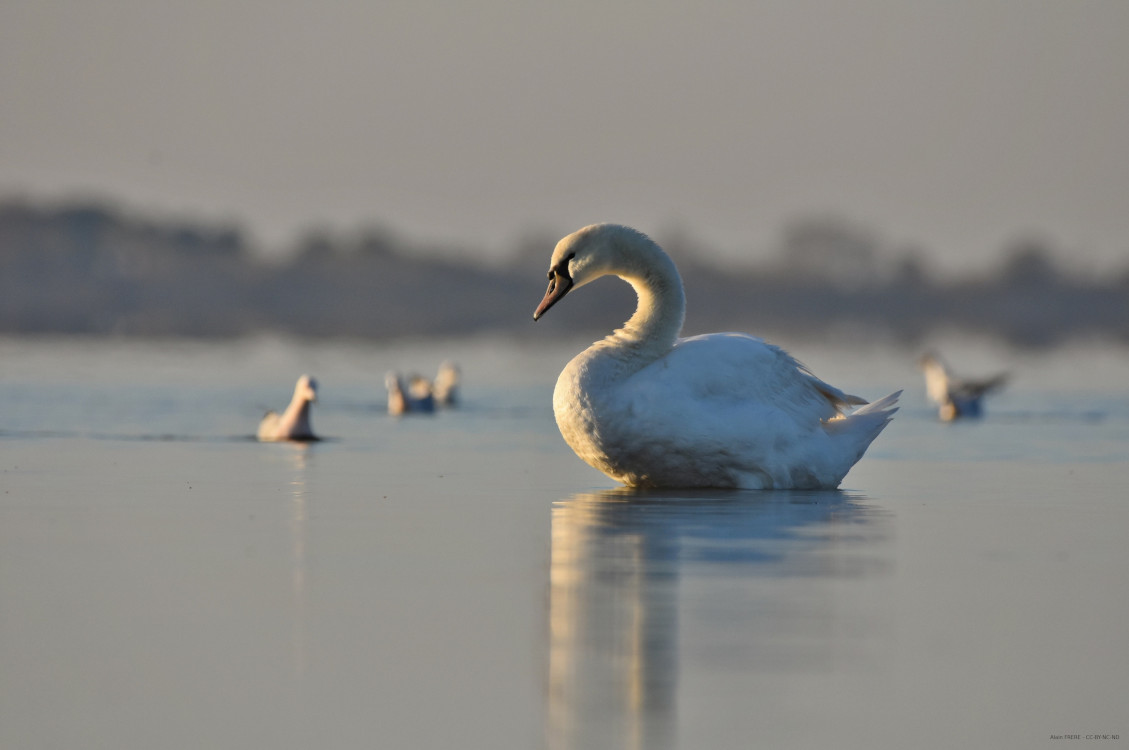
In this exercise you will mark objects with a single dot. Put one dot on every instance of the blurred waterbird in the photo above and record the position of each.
(650, 409)
(956, 397)
(294, 423)
(447, 384)
(417, 397)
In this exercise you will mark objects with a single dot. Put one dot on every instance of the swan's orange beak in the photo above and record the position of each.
(559, 284)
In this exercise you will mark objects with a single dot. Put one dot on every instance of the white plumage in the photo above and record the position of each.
(721, 410)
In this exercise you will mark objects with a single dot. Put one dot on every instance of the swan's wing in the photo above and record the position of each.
(735, 371)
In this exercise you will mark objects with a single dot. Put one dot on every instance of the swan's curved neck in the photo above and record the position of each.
(657, 321)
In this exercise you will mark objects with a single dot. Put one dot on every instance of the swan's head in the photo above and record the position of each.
(306, 389)
(592, 252)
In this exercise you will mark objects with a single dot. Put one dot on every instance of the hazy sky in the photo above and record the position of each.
(956, 126)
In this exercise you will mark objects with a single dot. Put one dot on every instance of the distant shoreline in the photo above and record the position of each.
(92, 270)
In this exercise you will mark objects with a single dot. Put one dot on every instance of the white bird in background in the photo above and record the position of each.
(294, 423)
(651, 409)
(447, 384)
(416, 398)
(956, 397)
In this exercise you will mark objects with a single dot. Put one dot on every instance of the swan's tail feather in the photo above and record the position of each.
(885, 405)
(838, 398)
(866, 422)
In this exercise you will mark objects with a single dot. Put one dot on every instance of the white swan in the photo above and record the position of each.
(417, 397)
(294, 423)
(722, 410)
(955, 397)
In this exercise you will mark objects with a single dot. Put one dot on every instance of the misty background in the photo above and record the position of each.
(864, 169)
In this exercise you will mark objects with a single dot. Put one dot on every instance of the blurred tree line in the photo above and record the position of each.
(93, 269)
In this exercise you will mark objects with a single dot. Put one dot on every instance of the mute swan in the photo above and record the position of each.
(955, 397)
(447, 384)
(294, 423)
(650, 409)
(416, 398)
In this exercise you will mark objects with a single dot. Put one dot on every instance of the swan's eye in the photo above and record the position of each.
(561, 269)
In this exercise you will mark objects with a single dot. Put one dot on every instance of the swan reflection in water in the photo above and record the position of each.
(627, 566)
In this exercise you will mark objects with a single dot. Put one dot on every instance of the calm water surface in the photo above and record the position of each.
(462, 580)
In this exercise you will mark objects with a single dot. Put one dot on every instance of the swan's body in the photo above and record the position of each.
(956, 397)
(294, 423)
(417, 397)
(721, 410)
